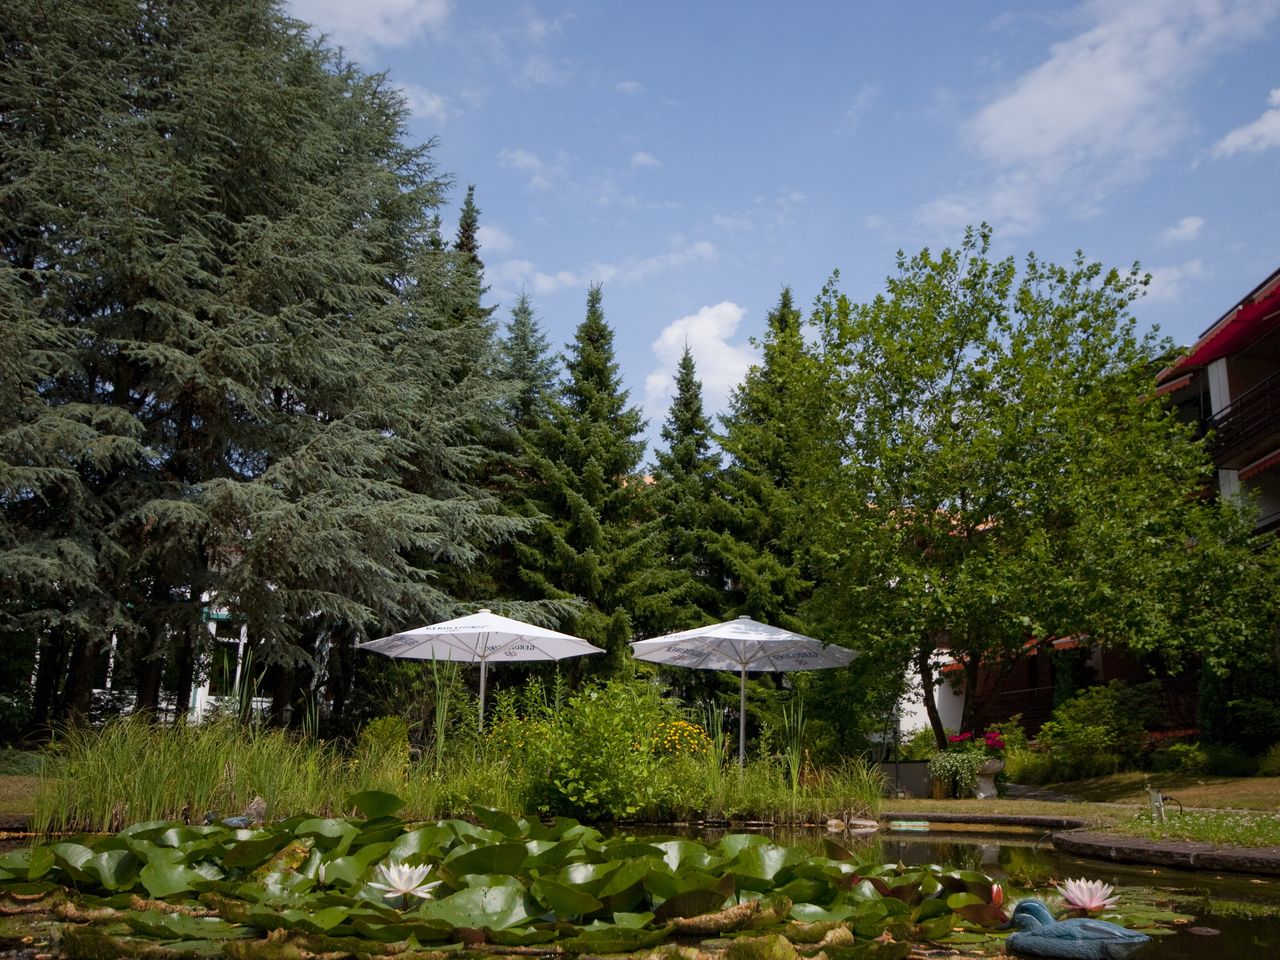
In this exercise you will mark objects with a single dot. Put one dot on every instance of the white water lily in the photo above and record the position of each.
(398, 879)
(1090, 895)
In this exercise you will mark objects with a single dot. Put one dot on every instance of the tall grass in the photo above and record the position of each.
(131, 770)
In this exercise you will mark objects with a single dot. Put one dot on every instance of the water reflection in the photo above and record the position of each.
(1026, 860)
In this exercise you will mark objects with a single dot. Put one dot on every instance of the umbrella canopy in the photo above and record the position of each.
(480, 638)
(743, 645)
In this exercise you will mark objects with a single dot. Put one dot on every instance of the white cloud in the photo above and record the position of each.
(862, 101)
(423, 103)
(642, 159)
(513, 275)
(629, 88)
(1188, 228)
(1262, 134)
(1169, 284)
(1097, 112)
(494, 239)
(733, 222)
(721, 364)
(541, 173)
(361, 27)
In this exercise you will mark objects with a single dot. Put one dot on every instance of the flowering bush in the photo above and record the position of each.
(680, 738)
(990, 744)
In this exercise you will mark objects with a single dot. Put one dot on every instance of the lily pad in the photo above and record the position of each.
(375, 803)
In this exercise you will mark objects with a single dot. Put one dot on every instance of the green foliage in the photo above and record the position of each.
(601, 752)
(1269, 765)
(956, 767)
(1237, 827)
(992, 468)
(345, 884)
(1180, 758)
(688, 584)
(237, 367)
(1033, 767)
(381, 755)
(1226, 760)
(583, 458)
(1100, 729)
(760, 545)
(919, 744)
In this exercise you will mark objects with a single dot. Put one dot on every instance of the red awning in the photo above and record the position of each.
(1235, 332)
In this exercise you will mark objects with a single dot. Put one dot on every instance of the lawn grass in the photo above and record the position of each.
(17, 795)
(1244, 828)
(1094, 814)
(1193, 790)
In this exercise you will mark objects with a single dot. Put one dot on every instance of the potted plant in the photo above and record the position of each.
(970, 763)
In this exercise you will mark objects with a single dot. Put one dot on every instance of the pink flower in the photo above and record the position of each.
(997, 895)
(1090, 896)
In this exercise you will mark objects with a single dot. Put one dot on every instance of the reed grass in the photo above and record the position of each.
(131, 770)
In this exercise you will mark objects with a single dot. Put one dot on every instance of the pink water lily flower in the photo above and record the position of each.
(1091, 896)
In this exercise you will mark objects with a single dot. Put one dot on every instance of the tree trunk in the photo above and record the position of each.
(50, 663)
(924, 653)
(282, 695)
(185, 681)
(971, 666)
(77, 691)
(148, 671)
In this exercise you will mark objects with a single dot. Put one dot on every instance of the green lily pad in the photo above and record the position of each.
(375, 803)
(565, 901)
(506, 858)
(504, 823)
(496, 906)
(114, 869)
(254, 851)
(812, 913)
(175, 926)
(165, 879)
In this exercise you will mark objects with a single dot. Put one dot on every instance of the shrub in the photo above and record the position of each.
(919, 744)
(381, 757)
(600, 756)
(1033, 767)
(1269, 766)
(1100, 730)
(1180, 758)
(1229, 761)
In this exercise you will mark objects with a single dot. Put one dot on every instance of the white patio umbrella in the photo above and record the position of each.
(744, 645)
(481, 638)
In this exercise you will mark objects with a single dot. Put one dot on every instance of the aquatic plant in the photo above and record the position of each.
(1092, 896)
(372, 883)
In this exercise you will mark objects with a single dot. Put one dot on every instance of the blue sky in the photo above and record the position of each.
(697, 157)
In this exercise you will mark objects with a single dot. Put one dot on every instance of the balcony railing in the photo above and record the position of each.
(1252, 418)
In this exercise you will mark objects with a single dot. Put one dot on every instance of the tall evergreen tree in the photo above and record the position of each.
(684, 478)
(525, 361)
(216, 254)
(584, 455)
(767, 432)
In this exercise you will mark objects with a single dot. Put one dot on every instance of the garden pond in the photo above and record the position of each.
(374, 886)
(1243, 911)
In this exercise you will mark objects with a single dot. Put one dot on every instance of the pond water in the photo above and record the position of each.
(1227, 903)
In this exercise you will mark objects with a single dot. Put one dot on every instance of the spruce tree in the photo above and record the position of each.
(584, 456)
(526, 364)
(760, 543)
(684, 478)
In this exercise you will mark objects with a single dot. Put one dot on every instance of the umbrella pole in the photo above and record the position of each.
(742, 720)
(484, 669)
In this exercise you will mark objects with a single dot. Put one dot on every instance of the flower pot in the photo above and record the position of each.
(986, 788)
